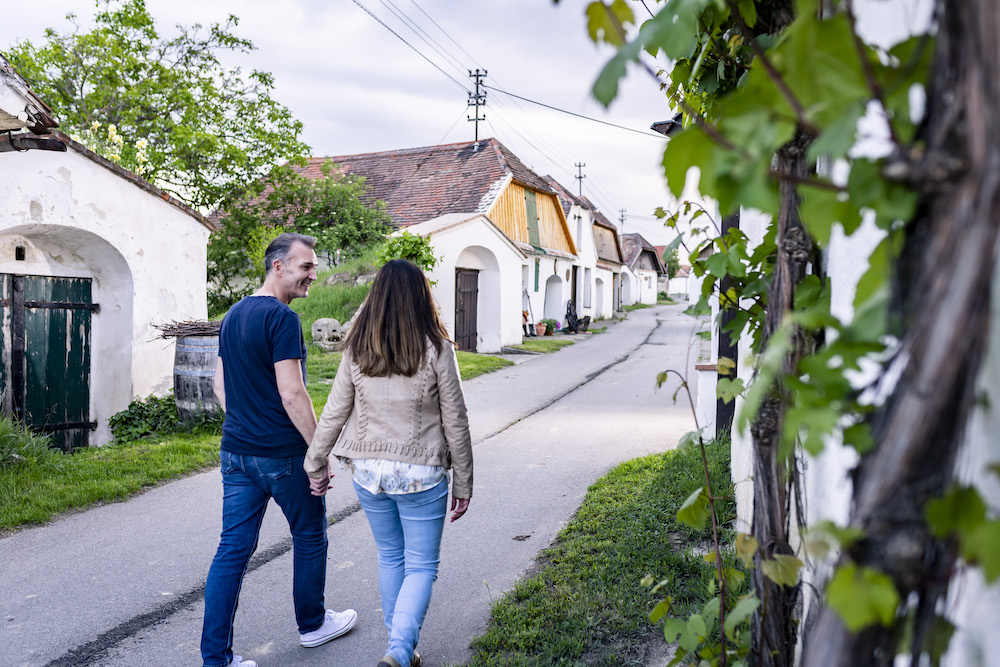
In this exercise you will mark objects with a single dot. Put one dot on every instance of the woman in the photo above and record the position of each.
(396, 418)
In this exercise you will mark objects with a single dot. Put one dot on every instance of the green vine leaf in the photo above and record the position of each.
(728, 390)
(688, 441)
(660, 610)
(769, 367)
(982, 546)
(862, 597)
(961, 511)
(783, 569)
(725, 365)
(859, 436)
(694, 511)
(746, 547)
(740, 612)
(604, 21)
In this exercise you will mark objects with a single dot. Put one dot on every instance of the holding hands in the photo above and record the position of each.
(318, 486)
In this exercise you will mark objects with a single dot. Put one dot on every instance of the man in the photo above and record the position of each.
(260, 383)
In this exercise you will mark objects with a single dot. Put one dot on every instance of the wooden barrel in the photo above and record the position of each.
(194, 374)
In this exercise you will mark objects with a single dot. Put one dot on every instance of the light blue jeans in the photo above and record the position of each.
(407, 529)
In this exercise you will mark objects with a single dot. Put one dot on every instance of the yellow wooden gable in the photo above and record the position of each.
(531, 217)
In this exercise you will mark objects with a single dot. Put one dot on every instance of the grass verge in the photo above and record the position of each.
(471, 364)
(585, 604)
(543, 345)
(636, 306)
(34, 494)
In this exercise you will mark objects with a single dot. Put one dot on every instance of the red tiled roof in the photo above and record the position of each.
(566, 198)
(634, 245)
(419, 184)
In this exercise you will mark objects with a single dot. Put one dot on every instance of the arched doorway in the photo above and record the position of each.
(626, 289)
(477, 301)
(599, 299)
(75, 304)
(555, 304)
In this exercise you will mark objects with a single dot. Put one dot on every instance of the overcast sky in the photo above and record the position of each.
(357, 88)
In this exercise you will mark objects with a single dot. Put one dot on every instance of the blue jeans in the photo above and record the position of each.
(248, 482)
(407, 529)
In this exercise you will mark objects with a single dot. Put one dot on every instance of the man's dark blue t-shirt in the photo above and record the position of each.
(258, 332)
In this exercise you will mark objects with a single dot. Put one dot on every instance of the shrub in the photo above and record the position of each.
(143, 418)
(157, 416)
(409, 246)
(550, 325)
(22, 447)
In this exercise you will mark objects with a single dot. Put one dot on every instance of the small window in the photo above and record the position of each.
(19, 253)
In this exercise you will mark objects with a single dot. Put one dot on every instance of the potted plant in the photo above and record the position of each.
(550, 325)
(540, 328)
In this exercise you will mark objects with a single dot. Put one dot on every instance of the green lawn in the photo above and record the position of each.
(543, 345)
(34, 494)
(586, 604)
(636, 306)
(471, 364)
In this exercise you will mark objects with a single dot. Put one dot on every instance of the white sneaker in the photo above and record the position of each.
(238, 661)
(334, 625)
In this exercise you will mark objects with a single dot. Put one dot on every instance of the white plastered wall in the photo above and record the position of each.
(604, 295)
(146, 257)
(478, 245)
(554, 275)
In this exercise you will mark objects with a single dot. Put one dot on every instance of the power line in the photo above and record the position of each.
(400, 38)
(445, 33)
(572, 113)
(422, 34)
(441, 141)
(452, 61)
(553, 148)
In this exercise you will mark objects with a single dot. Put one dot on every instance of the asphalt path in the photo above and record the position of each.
(123, 584)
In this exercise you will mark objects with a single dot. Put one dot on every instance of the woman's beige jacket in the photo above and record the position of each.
(420, 419)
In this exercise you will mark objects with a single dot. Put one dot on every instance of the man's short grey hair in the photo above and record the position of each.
(281, 247)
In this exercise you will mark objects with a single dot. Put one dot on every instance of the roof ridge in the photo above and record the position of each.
(415, 149)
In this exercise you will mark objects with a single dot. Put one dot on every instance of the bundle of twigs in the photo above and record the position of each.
(189, 328)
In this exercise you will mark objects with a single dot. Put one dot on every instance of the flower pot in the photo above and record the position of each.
(540, 329)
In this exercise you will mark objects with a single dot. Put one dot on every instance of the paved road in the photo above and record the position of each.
(123, 584)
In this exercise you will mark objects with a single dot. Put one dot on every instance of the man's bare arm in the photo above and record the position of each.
(219, 384)
(295, 398)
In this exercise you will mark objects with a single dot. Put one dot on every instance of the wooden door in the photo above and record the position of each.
(46, 337)
(466, 308)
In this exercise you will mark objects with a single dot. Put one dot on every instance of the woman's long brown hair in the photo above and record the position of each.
(397, 320)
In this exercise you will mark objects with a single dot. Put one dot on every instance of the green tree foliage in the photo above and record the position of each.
(189, 124)
(409, 246)
(671, 262)
(334, 208)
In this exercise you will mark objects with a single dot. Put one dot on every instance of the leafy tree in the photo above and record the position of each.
(334, 208)
(416, 248)
(192, 126)
(771, 90)
(671, 262)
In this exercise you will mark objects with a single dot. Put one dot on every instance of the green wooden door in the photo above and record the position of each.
(49, 334)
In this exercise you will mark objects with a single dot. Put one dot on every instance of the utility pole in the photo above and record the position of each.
(477, 99)
(621, 218)
(580, 176)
